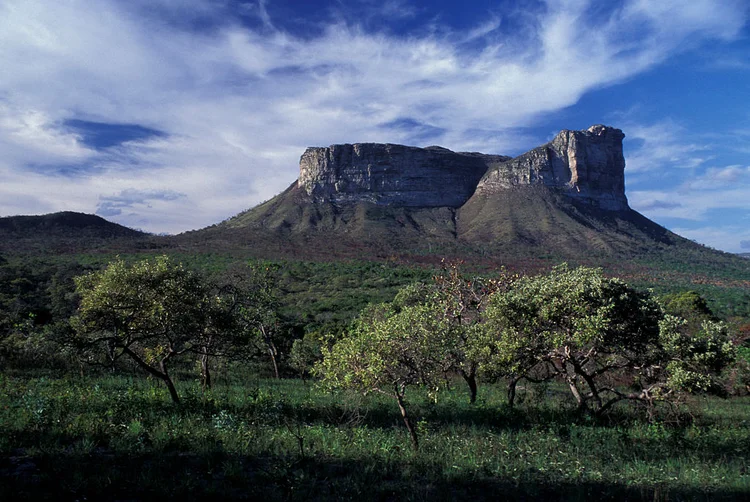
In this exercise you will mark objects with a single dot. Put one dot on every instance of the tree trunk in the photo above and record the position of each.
(205, 372)
(471, 381)
(407, 421)
(272, 352)
(591, 384)
(162, 375)
(512, 390)
(576, 393)
(170, 385)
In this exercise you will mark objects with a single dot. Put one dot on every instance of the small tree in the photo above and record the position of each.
(579, 326)
(255, 293)
(462, 300)
(694, 360)
(223, 334)
(585, 329)
(389, 350)
(152, 311)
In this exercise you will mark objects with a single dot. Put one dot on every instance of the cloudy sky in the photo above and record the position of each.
(170, 115)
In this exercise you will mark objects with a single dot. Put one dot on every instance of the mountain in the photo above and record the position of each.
(64, 232)
(563, 200)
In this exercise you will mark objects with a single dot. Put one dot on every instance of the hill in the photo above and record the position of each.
(65, 232)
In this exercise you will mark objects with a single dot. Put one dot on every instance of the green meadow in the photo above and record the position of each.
(120, 438)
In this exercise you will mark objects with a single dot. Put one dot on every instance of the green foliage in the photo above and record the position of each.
(596, 334)
(152, 311)
(114, 438)
(36, 299)
(695, 359)
(389, 349)
(306, 352)
(688, 305)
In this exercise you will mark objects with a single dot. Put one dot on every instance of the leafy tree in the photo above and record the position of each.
(588, 330)
(152, 311)
(688, 305)
(255, 289)
(223, 333)
(462, 301)
(36, 299)
(307, 351)
(695, 359)
(390, 349)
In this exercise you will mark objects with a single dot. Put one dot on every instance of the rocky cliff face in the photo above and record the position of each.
(586, 165)
(395, 175)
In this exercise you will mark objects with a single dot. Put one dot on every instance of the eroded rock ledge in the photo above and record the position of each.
(587, 165)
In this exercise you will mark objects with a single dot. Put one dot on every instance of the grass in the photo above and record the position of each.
(118, 437)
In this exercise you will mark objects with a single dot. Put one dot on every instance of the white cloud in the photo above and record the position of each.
(689, 205)
(718, 178)
(730, 238)
(663, 145)
(239, 104)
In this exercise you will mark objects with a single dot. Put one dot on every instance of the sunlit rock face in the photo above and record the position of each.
(586, 165)
(393, 174)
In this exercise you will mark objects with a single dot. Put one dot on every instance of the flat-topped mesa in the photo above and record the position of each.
(395, 175)
(586, 165)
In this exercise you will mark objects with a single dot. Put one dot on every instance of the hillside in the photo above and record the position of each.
(65, 232)
(564, 200)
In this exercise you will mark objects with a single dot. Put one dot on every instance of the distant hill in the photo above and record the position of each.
(64, 232)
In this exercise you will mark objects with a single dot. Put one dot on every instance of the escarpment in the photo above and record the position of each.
(564, 198)
(587, 166)
(394, 175)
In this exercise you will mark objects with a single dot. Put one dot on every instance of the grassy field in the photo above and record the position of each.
(120, 438)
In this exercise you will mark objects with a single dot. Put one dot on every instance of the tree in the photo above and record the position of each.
(256, 294)
(462, 301)
(690, 306)
(390, 349)
(152, 311)
(223, 333)
(586, 329)
(695, 359)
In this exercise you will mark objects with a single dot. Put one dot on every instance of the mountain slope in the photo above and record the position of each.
(564, 200)
(64, 232)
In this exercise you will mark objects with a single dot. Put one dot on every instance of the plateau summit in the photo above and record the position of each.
(586, 165)
(565, 198)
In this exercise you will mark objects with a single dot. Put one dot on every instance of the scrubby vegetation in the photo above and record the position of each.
(120, 438)
(138, 377)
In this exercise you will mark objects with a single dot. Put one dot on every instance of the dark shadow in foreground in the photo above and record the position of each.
(100, 476)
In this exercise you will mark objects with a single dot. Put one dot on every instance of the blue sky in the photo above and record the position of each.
(170, 115)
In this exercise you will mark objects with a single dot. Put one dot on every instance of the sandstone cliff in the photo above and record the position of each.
(565, 199)
(394, 175)
(586, 165)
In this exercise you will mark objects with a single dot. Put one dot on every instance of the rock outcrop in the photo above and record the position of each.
(586, 165)
(395, 175)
